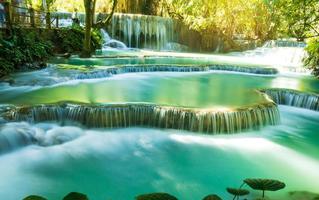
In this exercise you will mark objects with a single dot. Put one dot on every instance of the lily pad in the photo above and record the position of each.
(265, 184)
(156, 196)
(237, 192)
(212, 197)
(75, 196)
(34, 197)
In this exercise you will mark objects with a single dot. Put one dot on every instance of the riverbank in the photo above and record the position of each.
(30, 48)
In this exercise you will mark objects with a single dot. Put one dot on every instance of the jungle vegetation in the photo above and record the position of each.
(258, 20)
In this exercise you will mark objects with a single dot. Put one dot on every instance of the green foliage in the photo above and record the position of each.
(71, 40)
(249, 19)
(312, 60)
(301, 17)
(22, 48)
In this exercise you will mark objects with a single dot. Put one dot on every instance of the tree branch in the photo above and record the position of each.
(104, 23)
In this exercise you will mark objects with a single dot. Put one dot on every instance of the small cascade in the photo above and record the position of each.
(294, 98)
(287, 55)
(108, 42)
(142, 31)
(103, 73)
(63, 73)
(150, 115)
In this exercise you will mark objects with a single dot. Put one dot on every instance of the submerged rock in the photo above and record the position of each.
(75, 196)
(34, 197)
(156, 196)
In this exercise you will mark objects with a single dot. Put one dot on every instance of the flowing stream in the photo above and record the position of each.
(131, 121)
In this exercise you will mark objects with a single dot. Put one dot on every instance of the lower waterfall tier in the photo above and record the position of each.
(149, 115)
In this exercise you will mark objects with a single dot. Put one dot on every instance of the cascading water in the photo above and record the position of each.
(101, 73)
(285, 54)
(143, 31)
(294, 98)
(108, 42)
(128, 115)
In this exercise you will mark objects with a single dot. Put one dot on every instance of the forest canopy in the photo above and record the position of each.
(249, 19)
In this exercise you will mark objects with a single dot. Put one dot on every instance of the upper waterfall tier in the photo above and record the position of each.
(142, 31)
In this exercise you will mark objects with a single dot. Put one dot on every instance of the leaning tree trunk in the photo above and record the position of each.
(88, 5)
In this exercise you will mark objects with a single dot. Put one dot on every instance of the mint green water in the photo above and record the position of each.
(169, 88)
(119, 164)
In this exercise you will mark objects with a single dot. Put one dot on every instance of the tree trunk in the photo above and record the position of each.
(86, 52)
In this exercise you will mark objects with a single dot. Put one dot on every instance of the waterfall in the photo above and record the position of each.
(294, 98)
(151, 115)
(287, 55)
(109, 42)
(142, 31)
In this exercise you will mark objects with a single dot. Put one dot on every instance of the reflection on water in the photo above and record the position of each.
(200, 89)
(122, 163)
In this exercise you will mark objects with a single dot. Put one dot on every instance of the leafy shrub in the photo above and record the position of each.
(23, 47)
(312, 60)
(70, 40)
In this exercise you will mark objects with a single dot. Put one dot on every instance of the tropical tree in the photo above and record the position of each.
(302, 17)
(89, 6)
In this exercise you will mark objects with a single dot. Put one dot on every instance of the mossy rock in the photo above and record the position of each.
(212, 197)
(75, 196)
(34, 197)
(156, 196)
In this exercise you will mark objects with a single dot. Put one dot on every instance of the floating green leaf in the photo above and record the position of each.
(212, 197)
(265, 184)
